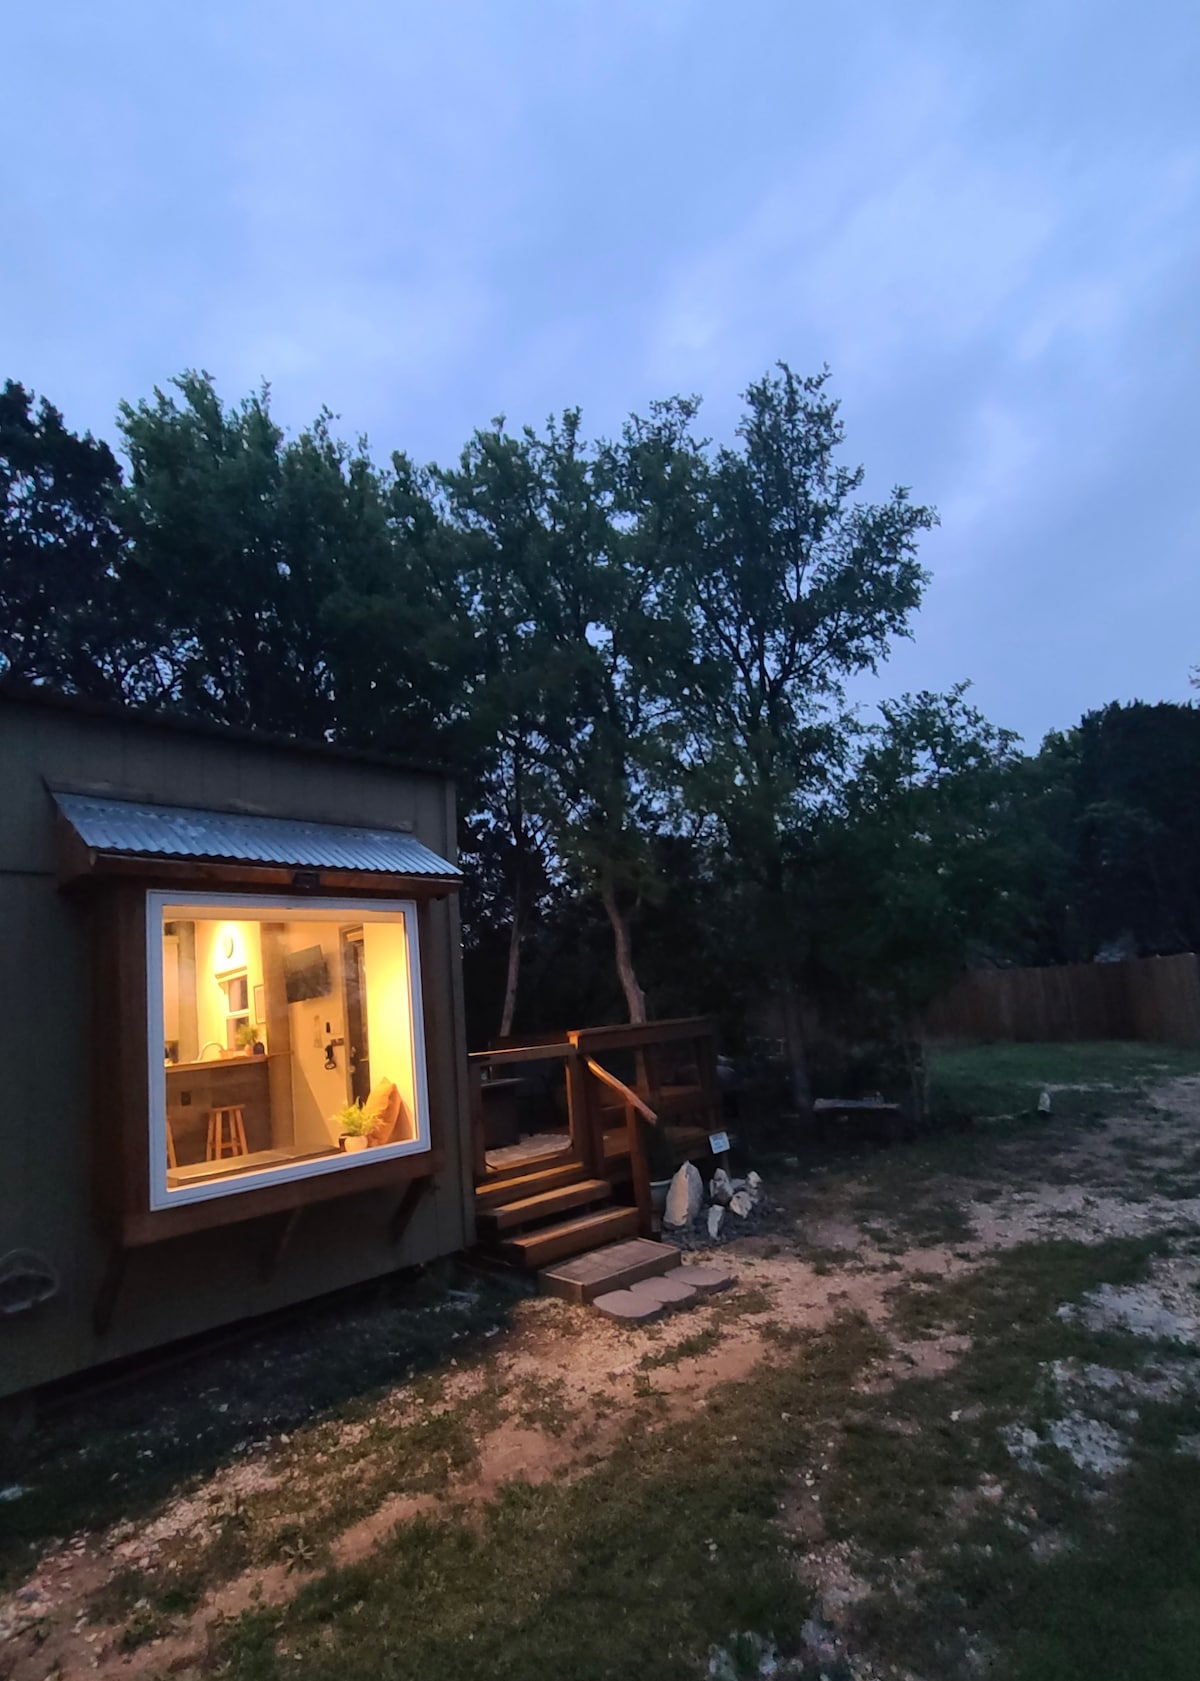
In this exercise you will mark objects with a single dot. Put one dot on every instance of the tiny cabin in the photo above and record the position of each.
(231, 1029)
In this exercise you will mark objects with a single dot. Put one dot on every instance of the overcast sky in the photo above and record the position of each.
(985, 216)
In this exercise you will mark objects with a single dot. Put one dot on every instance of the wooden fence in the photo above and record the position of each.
(1154, 998)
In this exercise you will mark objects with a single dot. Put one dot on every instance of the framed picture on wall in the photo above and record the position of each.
(260, 1004)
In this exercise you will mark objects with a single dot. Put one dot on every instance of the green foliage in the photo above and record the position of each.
(573, 633)
(351, 1121)
(60, 551)
(918, 858)
(1115, 804)
(797, 587)
(633, 652)
(634, 655)
(794, 588)
(248, 1035)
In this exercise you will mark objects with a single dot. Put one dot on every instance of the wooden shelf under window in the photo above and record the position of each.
(156, 1224)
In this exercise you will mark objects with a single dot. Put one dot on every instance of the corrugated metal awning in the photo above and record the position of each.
(167, 831)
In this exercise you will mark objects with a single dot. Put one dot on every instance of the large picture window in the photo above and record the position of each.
(285, 1040)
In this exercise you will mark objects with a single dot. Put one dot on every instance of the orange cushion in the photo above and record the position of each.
(383, 1108)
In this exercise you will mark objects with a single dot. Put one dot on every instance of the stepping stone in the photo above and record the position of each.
(615, 1267)
(632, 1306)
(670, 1289)
(708, 1280)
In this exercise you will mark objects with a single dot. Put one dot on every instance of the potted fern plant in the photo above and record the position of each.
(250, 1039)
(353, 1125)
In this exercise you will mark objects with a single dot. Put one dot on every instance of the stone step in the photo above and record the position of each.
(613, 1267)
(527, 1210)
(495, 1192)
(650, 1298)
(548, 1244)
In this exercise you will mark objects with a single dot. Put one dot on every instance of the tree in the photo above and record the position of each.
(495, 504)
(919, 859)
(60, 551)
(512, 870)
(792, 588)
(1117, 803)
(231, 528)
(575, 627)
(397, 626)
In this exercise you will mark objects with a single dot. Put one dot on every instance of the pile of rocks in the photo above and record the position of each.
(690, 1215)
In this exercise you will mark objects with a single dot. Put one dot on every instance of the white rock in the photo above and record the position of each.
(720, 1189)
(740, 1203)
(685, 1197)
(754, 1185)
(716, 1219)
(1044, 1103)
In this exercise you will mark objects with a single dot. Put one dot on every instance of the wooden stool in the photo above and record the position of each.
(226, 1133)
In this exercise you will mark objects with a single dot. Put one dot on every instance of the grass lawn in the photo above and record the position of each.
(985, 1081)
(899, 1449)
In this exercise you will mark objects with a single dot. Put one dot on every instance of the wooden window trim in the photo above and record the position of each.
(120, 1156)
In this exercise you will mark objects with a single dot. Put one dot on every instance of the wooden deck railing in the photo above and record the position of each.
(670, 1084)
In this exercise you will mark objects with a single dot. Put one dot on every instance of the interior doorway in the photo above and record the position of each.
(358, 1045)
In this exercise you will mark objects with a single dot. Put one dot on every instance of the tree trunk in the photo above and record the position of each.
(512, 978)
(635, 998)
(797, 1054)
(917, 1058)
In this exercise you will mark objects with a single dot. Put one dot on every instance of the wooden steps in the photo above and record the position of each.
(528, 1209)
(540, 1248)
(615, 1266)
(547, 1215)
(513, 1187)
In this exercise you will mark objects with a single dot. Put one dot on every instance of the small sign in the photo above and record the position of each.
(719, 1142)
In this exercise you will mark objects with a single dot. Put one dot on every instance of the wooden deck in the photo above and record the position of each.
(534, 1147)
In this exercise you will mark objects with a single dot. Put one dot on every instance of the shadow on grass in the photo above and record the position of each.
(116, 1453)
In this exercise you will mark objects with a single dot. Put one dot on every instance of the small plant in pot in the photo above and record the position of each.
(353, 1125)
(250, 1039)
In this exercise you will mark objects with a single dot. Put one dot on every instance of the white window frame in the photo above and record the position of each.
(263, 907)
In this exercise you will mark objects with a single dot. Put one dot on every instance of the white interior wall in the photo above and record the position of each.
(170, 988)
(389, 1015)
(212, 964)
(318, 1092)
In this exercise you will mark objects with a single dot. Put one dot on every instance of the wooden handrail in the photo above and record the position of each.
(629, 1034)
(523, 1053)
(638, 1165)
(587, 1118)
(619, 1086)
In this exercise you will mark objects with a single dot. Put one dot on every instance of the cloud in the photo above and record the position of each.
(986, 219)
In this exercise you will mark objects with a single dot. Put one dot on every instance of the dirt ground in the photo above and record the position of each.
(530, 1391)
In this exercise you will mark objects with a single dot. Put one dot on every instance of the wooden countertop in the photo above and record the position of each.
(231, 1166)
(220, 1062)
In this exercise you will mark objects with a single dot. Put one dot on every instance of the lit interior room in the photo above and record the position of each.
(285, 1041)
